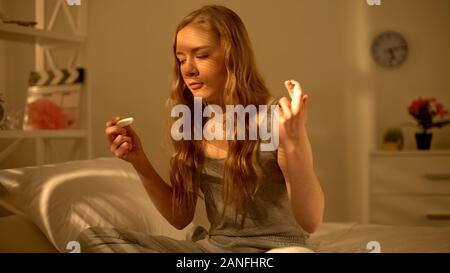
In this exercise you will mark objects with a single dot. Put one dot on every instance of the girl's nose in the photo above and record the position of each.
(191, 69)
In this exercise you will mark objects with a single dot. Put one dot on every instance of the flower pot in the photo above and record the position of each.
(423, 141)
(392, 146)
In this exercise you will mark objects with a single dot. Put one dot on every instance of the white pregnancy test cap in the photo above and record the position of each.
(125, 122)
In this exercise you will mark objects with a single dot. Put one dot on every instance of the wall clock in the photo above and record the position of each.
(390, 49)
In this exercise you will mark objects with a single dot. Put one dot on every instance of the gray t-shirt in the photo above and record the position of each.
(269, 222)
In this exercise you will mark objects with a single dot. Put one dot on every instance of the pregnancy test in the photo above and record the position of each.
(125, 122)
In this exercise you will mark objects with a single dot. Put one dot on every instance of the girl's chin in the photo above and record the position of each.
(204, 95)
(200, 93)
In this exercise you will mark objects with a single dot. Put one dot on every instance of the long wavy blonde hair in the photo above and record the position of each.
(245, 86)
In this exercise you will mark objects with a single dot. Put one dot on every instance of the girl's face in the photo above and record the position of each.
(201, 62)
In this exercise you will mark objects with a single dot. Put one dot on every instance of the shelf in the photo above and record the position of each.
(46, 40)
(8, 134)
(410, 152)
(32, 35)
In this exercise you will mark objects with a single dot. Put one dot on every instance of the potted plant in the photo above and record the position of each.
(393, 139)
(425, 111)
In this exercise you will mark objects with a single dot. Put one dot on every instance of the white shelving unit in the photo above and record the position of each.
(45, 40)
(16, 33)
(43, 134)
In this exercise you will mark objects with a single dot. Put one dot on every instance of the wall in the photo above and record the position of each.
(425, 25)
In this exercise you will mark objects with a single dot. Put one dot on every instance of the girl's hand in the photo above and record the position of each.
(293, 116)
(295, 160)
(124, 142)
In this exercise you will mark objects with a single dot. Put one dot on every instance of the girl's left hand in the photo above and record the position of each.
(293, 116)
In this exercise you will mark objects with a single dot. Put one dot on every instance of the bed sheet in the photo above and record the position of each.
(331, 236)
(334, 237)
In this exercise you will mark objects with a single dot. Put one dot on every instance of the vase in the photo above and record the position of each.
(423, 141)
(392, 146)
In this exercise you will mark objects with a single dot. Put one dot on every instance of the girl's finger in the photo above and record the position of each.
(113, 131)
(304, 105)
(290, 88)
(118, 141)
(112, 121)
(123, 150)
(121, 139)
(296, 98)
(285, 106)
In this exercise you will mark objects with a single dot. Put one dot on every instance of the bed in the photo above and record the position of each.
(44, 208)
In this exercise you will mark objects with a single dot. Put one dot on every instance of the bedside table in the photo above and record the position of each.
(410, 188)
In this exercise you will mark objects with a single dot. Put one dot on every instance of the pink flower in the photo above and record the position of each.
(45, 114)
(440, 110)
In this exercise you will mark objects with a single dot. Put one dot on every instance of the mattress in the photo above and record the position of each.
(43, 208)
(19, 234)
(363, 238)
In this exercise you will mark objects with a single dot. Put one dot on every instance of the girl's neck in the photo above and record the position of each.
(216, 101)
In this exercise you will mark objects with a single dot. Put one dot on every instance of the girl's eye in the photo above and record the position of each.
(203, 56)
(182, 61)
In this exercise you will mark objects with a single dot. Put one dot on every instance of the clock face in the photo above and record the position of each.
(389, 49)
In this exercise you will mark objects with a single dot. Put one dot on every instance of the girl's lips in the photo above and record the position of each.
(195, 86)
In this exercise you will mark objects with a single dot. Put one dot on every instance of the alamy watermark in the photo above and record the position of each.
(374, 247)
(373, 2)
(213, 129)
(73, 2)
(73, 246)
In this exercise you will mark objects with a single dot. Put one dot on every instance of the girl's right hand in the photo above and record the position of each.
(124, 142)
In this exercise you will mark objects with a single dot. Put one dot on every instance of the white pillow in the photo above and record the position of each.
(64, 199)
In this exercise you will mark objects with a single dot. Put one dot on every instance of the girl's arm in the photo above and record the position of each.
(161, 194)
(303, 187)
(296, 161)
(126, 145)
